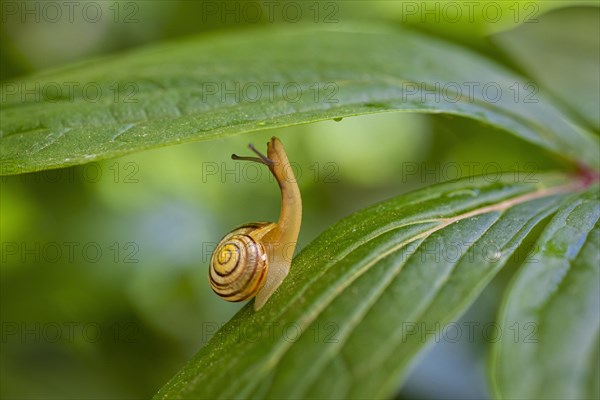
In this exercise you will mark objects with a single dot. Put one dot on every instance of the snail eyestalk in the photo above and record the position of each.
(262, 159)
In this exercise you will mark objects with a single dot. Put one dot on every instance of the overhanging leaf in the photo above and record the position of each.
(358, 298)
(551, 311)
(213, 86)
(573, 35)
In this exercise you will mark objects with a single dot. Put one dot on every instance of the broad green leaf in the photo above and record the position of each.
(212, 86)
(355, 309)
(552, 312)
(563, 40)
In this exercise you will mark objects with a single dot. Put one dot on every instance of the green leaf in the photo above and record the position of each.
(161, 95)
(563, 40)
(353, 312)
(551, 312)
(471, 20)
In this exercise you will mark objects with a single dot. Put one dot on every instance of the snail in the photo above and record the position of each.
(254, 259)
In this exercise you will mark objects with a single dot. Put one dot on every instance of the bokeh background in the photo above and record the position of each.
(104, 290)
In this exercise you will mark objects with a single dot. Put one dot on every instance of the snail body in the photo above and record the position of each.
(254, 259)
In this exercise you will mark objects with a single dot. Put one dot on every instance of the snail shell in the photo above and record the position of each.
(239, 265)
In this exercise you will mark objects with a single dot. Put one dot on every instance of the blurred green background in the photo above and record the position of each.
(104, 290)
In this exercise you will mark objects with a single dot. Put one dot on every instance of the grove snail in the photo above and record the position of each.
(254, 259)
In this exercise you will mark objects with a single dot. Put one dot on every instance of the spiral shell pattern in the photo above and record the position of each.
(238, 267)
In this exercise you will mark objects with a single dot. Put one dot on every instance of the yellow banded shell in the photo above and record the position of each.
(238, 267)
